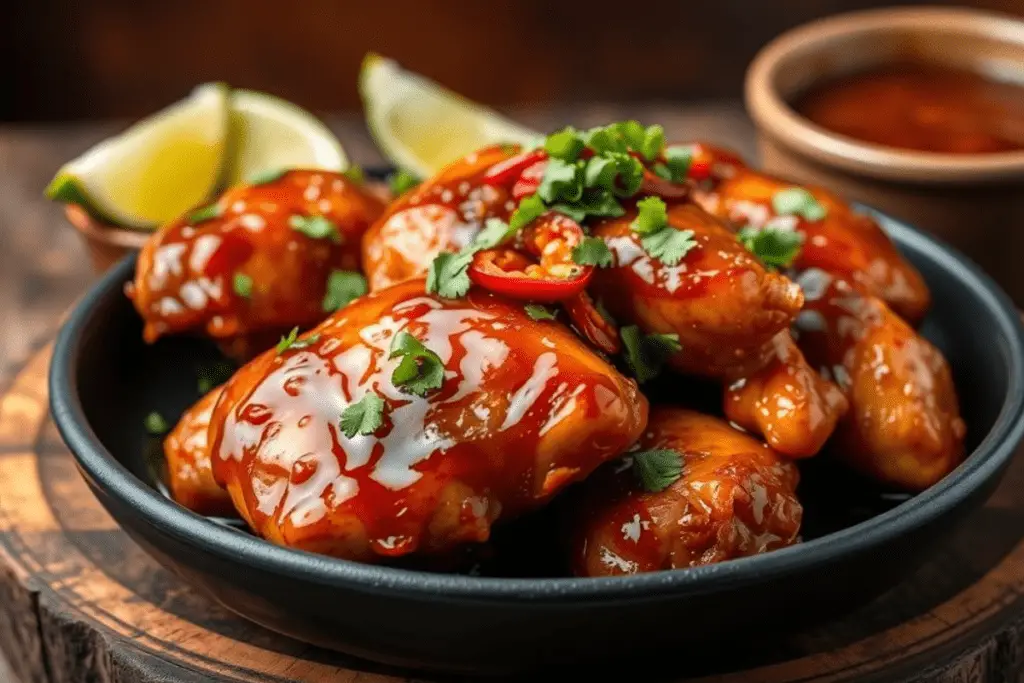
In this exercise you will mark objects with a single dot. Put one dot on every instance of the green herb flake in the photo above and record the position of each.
(669, 246)
(292, 341)
(155, 424)
(342, 287)
(654, 140)
(646, 354)
(355, 174)
(775, 247)
(562, 181)
(363, 417)
(652, 216)
(206, 213)
(566, 144)
(538, 312)
(447, 276)
(494, 233)
(401, 181)
(657, 469)
(420, 369)
(266, 176)
(592, 251)
(315, 227)
(796, 201)
(678, 159)
(529, 209)
(242, 285)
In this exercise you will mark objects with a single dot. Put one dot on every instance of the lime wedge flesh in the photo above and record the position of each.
(422, 126)
(268, 133)
(157, 169)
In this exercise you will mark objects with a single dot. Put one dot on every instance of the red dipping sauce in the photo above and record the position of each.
(918, 107)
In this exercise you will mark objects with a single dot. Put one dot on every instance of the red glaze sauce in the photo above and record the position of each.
(525, 409)
(921, 107)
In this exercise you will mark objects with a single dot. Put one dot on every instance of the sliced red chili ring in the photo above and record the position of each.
(592, 326)
(530, 179)
(511, 273)
(507, 172)
(666, 189)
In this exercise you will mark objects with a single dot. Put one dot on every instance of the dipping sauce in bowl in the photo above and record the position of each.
(928, 108)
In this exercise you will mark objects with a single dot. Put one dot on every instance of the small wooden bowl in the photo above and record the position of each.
(975, 202)
(107, 243)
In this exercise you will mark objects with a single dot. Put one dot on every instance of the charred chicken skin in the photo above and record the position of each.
(256, 262)
(521, 409)
(734, 497)
(189, 470)
(904, 427)
(837, 239)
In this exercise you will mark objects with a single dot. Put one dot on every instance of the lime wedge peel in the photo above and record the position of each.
(422, 126)
(268, 133)
(157, 168)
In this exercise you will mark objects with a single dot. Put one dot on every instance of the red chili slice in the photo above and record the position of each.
(592, 326)
(507, 172)
(554, 276)
(666, 189)
(530, 180)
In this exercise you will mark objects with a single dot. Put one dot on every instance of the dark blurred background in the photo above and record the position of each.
(77, 59)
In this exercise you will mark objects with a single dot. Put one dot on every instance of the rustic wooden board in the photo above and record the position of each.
(80, 601)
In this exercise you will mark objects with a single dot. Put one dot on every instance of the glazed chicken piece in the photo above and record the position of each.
(443, 214)
(190, 475)
(734, 498)
(255, 263)
(843, 242)
(793, 407)
(724, 305)
(525, 408)
(904, 426)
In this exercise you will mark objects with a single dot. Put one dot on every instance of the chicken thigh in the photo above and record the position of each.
(189, 471)
(410, 423)
(732, 497)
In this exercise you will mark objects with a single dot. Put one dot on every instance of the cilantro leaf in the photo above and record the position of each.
(631, 174)
(447, 276)
(242, 285)
(364, 417)
(265, 176)
(342, 287)
(796, 201)
(566, 144)
(292, 341)
(355, 173)
(600, 172)
(538, 312)
(213, 376)
(315, 227)
(678, 159)
(657, 469)
(775, 247)
(529, 209)
(669, 245)
(652, 216)
(562, 180)
(605, 139)
(647, 354)
(494, 233)
(592, 204)
(654, 140)
(401, 181)
(155, 424)
(420, 369)
(592, 251)
(206, 213)
(632, 132)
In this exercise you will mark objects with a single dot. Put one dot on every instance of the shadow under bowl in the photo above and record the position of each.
(104, 380)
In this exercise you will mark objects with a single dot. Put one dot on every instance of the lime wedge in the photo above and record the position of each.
(422, 126)
(157, 169)
(268, 133)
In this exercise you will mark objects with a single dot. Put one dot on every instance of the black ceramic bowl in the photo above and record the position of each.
(104, 380)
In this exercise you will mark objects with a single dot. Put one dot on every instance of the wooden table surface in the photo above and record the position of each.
(44, 267)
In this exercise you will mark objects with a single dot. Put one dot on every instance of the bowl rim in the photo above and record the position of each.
(106, 473)
(773, 115)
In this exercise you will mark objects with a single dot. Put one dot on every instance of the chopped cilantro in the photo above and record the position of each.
(652, 216)
(292, 341)
(206, 213)
(669, 245)
(796, 201)
(592, 251)
(647, 354)
(242, 285)
(315, 227)
(774, 247)
(342, 287)
(401, 181)
(566, 144)
(538, 312)
(657, 469)
(155, 424)
(363, 417)
(447, 276)
(420, 369)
